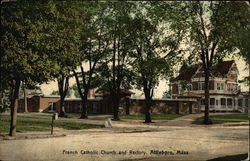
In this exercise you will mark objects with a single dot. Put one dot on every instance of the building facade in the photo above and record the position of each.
(39, 103)
(225, 93)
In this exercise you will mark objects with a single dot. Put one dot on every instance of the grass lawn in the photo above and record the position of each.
(34, 124)
(219, 119)
(239, 157)
(68, 115)
(142, 117)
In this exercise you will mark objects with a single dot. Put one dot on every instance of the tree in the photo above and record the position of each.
(154, 51)
(242, 41)
(23, 93)
(210, 28)
(92, 50)
(167, 94)
(62, 39)
(56, 92)
(114, 69)
(21, 57)
(75, 90)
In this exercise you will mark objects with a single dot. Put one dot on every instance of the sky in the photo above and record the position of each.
(163, 85)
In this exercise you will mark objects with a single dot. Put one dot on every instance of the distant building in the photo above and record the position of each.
(225, 94)
(97, 103)
(101, 103)
(39, 103)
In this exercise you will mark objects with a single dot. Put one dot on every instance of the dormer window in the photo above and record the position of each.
(229, 86)
(189, 87)
(202, 74)
(201, 86)
(220, 86)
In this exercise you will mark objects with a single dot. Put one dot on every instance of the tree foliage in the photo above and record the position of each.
(210, 30)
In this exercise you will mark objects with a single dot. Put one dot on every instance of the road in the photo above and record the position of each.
(133, 143)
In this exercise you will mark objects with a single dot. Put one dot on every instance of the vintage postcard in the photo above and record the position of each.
(124, 80)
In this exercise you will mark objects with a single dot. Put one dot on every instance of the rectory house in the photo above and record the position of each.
(225, 94)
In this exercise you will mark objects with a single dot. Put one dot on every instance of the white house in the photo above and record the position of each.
(225, 94)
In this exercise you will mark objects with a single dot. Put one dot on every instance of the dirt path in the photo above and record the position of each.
(163, 140)
(184, 121)
(173, 143)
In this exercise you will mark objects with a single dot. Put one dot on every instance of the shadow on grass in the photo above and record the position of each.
(238, 157)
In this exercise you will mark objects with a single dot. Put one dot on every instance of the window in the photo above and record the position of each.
(235, 87)
(202, 101)
(230, 102)
(189, 87)
(246, 102)
(240, 102)
(220, 86)
(229, 86)
(179, 88)
(201, 86)
(52, 106)
(212, 101)
(223, 101)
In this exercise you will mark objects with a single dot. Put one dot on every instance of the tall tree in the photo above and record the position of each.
(115, 70)
(62, 39)
(242, 41)
(92, 50)
(154, 51)
(210, 28)
(21, 58)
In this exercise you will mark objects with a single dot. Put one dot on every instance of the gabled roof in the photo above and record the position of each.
(221, 69)
(187, 73)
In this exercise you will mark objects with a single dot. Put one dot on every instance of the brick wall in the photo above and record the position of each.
(137, 106)
(44, 103)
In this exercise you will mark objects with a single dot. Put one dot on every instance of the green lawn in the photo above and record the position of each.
(34, 124)
(68, 115)
(128, 117)
(219, 119)
(142, 117)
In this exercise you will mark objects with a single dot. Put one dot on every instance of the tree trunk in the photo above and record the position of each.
(147, 112)
(148, 100)
(25, 100)
(206, 114)
(63, 84)
(84, 107)
(116, 102)
(84, 96)
(62, 109)
(13, 106)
